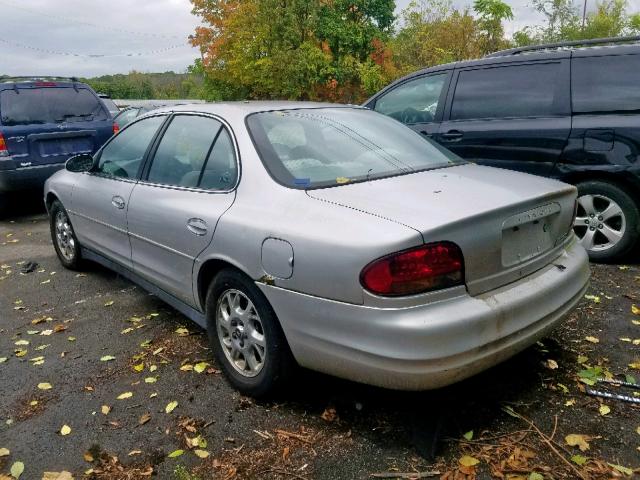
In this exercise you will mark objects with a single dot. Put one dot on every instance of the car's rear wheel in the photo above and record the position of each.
(64, 238)
(607, 221)
(245, 335)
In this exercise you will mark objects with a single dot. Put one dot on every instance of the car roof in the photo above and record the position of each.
(244, 108)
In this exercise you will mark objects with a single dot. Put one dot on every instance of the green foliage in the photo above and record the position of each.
(182, 473)
(137, 85)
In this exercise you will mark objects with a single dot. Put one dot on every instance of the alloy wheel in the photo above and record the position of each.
(65, 237)
(241, 333)
(600, 223)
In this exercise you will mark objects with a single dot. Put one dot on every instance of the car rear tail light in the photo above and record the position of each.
(4, 151)
(116, 128)
(45, 84)
(417, 270)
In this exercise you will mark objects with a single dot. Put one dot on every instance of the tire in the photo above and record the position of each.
(63, 237)
(608, 221)
(251, 349)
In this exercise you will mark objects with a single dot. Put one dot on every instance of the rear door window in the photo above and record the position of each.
(415, 101)
(506, 92)
(221, 170)
(183, 150)
(27, 106)
(605, 83)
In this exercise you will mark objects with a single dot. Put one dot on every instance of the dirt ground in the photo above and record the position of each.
(91, 366)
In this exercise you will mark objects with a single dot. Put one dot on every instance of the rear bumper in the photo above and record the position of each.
(433, 345)
(27, 178)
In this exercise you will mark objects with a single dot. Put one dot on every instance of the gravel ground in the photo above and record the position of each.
(93, 337)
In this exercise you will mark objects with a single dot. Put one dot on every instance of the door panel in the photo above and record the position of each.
(99, 216)
(173, 213)
(101, 198)
(168, 228)
(514, 116)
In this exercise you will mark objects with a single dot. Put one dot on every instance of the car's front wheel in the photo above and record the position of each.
(64, 238)
(245, 335)
(607, 222)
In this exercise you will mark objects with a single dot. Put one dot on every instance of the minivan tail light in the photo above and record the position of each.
(116, 128)
(417, 270)
(4, 151)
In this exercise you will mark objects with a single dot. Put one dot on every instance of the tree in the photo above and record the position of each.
(492, 13)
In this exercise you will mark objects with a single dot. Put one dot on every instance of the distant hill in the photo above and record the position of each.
(138, 85)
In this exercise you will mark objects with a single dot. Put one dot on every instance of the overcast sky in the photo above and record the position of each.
(88, 38)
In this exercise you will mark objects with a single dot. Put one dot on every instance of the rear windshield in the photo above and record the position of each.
(110, 104)
(49, 105)
(324, 147)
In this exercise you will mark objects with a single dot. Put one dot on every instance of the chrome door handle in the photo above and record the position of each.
(197, 226)
(452, 136)
(118, 202)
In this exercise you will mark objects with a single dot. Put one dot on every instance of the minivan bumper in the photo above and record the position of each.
(433, 345)
(27, 178)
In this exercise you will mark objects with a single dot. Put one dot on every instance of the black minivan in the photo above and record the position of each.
(566, 111)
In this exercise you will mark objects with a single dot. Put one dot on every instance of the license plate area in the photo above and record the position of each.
(528, 234)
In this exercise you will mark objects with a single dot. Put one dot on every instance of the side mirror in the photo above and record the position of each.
(80, 163)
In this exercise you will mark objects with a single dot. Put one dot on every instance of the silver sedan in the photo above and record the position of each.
(325, 236)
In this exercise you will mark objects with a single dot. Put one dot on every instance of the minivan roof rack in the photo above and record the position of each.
(560, 45)
(34, 78)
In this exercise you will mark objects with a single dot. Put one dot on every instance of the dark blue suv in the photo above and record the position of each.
(43, 122)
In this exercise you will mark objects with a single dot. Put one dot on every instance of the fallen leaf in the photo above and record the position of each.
(126, 330)
(150, 380)
(88, 457)
(329, 414)
(64, 475)
(134, 452)
(138, 367)
(563, 387)
(20, 353)
(576, 440)
(59, 328)
(16, 469)
(535, 476)
(635, 310)
(171, 406)
(44, 386)
(186, 368)
(635, 365)
(200, 367)
(109, 303)
(105, 409)
(593, 298)
(46, 333)
(22, 342)
(552, 364)
(65, 430)
(153, 368)
(201, 453)
(4, 452)
(144, 418)
(604, 410)
(175, 453)
(468, 461)
(107, 358)
(570, 403)
(3, 359)
(468, 435)
(579, 459)
(124, 395)
(624, 470)
(182, 332)
(592, 339)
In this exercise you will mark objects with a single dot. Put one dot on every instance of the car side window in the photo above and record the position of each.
(127, 117)
(415, 101)
(506, 92)
(122, 156)
(183, 150)
(605, 83)
(221, 170)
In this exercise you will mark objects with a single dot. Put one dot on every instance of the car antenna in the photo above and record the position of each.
(369, 173)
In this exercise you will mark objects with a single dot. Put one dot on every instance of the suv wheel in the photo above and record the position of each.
(607, 222)
(245, 335)
(63, 237)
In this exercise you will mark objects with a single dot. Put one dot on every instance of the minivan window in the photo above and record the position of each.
(182, 151)
(605, 83)
(415, 101)
(121, 157)
(505, 92)
(26, 106)
(335, 146)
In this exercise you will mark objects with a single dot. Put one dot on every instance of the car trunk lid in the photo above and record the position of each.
(507, 224)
